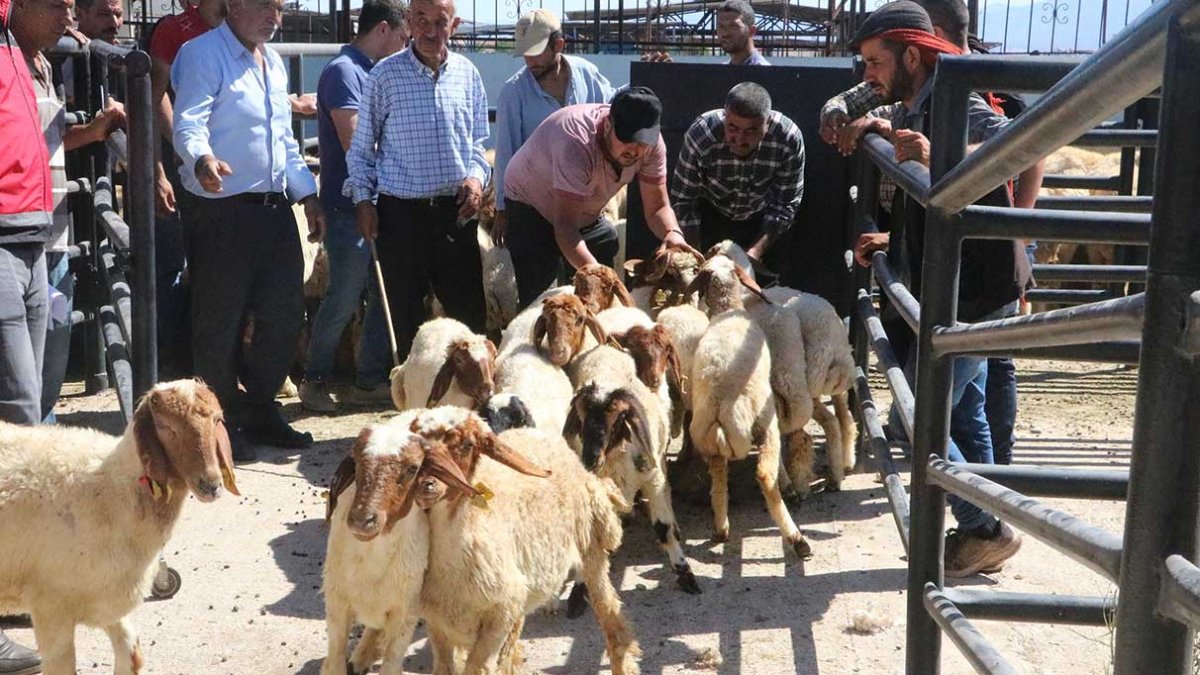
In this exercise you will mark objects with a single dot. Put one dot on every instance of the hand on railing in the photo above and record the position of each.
(911, 145)
(849, 135)
(831, 124)
(303, 105)
(866, 246)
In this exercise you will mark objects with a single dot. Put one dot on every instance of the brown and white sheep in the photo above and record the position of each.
(600, 288)
(84, 515)
(447, 365)
(489, 567)
(662, 281)
(564, 326)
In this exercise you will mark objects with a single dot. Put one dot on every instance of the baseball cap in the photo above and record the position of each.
(636, 113)
(892, 16)
(533, 32)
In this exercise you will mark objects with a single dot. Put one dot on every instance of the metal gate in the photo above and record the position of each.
(1159, 586)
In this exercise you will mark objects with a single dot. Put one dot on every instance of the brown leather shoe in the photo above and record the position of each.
(969, 554)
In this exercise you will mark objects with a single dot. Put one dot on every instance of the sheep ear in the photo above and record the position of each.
(574, 426)
(631, 426)
(752, 285)
(342, 479)
(633, 267)
(225, 458)
(539, 332)
(616, 340)
(496, 449)
(441, 383)
(150, 449)
(441, 466)
(597, 330)
(699, 284)
(491, 348)
(675, 367)
(397, 381)
(622, 292)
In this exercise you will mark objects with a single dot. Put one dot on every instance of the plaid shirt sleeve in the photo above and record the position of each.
(360, 161)
(853, 103)
(788, 189)
(688, 181)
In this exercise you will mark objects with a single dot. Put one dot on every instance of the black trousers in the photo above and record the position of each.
(537, 260)
(244, 260)
(716, 227)
(421, 246)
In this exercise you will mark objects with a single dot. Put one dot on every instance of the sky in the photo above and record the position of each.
(1057, 25)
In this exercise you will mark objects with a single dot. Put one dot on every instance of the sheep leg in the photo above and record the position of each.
(443, 651)
(841, 405)
(510, 652)
(127, 651)
(398, 634)
(622, 646)
(767, 473)
(718, 470)
(666, 529)
(833, 445)
(56, 643)
(337, 629)
(367, 652)
(797, 465)
(489, 640)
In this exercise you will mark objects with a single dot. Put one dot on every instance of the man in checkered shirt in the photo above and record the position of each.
(740, 175)
(418, 150)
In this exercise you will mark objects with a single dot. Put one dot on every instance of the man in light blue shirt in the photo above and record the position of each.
(418, 149)
(549, 81)
(233, 132)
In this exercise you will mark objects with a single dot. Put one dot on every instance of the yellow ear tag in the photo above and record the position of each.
(485, 495)
(155, 490)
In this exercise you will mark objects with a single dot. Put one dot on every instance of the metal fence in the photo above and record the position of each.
(1158, 602)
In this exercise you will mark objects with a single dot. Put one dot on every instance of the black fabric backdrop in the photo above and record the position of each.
(820, 235)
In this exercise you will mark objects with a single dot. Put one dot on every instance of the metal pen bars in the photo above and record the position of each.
(117, 233)
(1151, 561)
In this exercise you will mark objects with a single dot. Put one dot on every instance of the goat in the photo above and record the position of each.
(489, 567)
(84, 514)
(448, 364)
(734, 409)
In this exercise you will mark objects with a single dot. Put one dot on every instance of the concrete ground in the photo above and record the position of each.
(251, 566)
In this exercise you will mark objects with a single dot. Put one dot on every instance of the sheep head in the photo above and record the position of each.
(506, 411)
(597, 285)
(181, 440)
(390, 467)
(653, 353)
(607, 422)
(718, 283)
(467, 437)
(470, 362)
(562, 324)
(670, 272)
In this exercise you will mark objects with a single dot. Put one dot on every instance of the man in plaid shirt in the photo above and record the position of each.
(740, 174)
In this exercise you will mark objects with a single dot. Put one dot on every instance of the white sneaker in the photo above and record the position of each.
(314, 396)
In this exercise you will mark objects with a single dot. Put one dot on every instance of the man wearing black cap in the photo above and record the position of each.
(900, 50)
(559, 181)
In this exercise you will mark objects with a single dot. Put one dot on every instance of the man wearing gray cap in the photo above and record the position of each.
(560, 180)
(549, 81)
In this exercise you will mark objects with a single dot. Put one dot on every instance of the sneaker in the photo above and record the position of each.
(17, 660)
(314, 396)
(378, 395)
(968, 554)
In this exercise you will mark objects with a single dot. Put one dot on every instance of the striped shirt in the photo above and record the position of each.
(420, 133)
(770, 181)
(53, 118)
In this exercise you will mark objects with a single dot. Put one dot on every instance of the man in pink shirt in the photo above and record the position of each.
(559, 181)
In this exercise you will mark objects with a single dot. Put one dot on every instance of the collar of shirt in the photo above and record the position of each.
(237, 50)
(424, 69)
(357, 56)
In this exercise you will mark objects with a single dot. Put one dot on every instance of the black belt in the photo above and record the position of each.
(263, 198)
(444, 201)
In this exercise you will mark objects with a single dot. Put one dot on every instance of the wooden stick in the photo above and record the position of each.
(387, 310)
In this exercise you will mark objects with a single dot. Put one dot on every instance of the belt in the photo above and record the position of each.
(443, 201)
(263, 198)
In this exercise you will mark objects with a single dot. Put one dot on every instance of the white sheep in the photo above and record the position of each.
(83, 515)
(622, 430)
(543, 387)
(733, 407)
(447, 365)
(489, 567)
(499, 282)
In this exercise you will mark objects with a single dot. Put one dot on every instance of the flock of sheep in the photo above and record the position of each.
(504, 477)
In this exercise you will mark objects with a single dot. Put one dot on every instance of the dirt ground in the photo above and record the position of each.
(251, 566)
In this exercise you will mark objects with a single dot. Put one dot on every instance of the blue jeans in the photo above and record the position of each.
(58, 331)
(350, 272)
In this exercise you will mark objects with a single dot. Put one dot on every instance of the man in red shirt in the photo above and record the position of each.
(25, 206)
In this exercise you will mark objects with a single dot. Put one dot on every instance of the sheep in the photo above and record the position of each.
(506, 411)
(378, 547)
(600, 288)
(660, 282)
(733, 407)
(622, 429)
(499, 282)
(564, 324)
(489, 567)
(378, 550)
(83, 515)
(525, 372)
(447, 364)
(657, 364)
